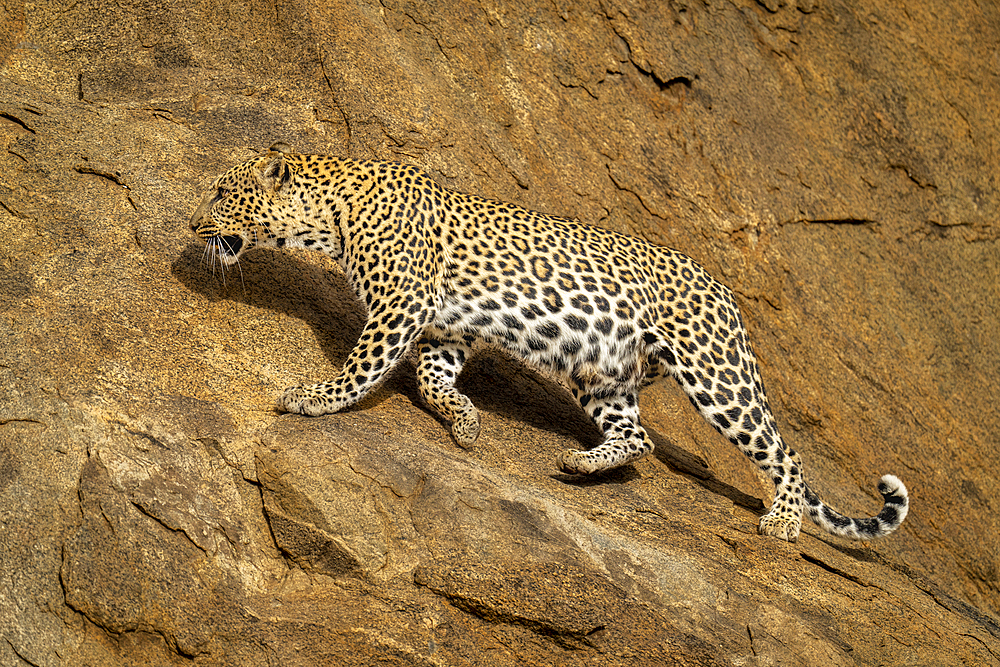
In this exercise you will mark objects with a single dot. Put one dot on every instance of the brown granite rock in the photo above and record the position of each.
(835, 164)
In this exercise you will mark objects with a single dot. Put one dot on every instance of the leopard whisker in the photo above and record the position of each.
(208, 256)
(239, 267)
(216, 259)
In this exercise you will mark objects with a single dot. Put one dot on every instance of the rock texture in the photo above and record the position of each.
(835, 163)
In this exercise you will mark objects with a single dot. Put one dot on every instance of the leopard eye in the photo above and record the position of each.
(224, 192)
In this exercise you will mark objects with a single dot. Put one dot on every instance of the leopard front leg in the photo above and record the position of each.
(441, 357)
(384, 341)
(625, 440)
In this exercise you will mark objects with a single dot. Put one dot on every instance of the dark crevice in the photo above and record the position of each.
(17, 121)
(563, 637)
(4, 422)
(909, 174)
(832, 221)
(114, 634)
(662, 84)
(684, 81)
(625, 188)
(19, 654)
(180, 531)
(11, 211)
(143, 436)
(956, 606)
(287, 557)
(833, 570)
(113, 176)
(753, 649)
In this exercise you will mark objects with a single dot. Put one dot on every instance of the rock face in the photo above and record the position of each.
(835, 164)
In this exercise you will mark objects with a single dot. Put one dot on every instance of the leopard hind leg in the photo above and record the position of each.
(722, 382)
(734, 402)
(441, 356)
(616, 413)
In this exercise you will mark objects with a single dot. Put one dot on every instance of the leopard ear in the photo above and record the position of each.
(273, 171)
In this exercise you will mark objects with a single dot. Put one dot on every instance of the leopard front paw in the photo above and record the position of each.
(465, 428)
(306, 400)
(781, 525)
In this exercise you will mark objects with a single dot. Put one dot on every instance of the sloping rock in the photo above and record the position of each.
(835, 165)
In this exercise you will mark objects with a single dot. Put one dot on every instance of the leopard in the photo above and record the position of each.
(439, 271)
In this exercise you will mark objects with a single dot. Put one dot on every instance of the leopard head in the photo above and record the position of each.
(247, 206)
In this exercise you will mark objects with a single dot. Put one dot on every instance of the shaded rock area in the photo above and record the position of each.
(834, 163)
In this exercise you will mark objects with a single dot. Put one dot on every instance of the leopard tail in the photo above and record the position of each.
(897, 504)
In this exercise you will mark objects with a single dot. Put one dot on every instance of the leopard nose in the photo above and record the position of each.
(200, 213)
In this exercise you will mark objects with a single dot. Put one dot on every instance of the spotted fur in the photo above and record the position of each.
(605, 312)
